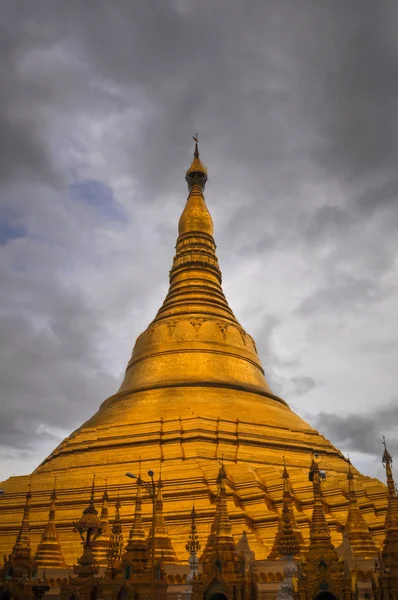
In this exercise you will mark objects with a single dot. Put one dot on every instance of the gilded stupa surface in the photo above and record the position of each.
(194, 393)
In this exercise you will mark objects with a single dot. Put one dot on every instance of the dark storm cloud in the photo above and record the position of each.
(22, 146)
(363, 432)
(295, 107)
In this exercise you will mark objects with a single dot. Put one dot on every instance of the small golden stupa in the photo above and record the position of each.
(194, 391)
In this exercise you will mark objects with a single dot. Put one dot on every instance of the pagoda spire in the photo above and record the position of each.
(220, 551)
(137, 532)
(49, 554)
(116, 544)
(136, 555)
(387, 464)
(22, 549)
(193, 546)
(359, 537)
(195, 252)
(195, 337)
(390, 546)
(288, 540)
(322, 562)
(195, 275)
(222, 567)
(101, 545)
(164, 550)
(221, 525)
(89, 527)
(20, 563)
(319, 530)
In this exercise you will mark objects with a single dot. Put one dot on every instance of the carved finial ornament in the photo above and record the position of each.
(197, 172)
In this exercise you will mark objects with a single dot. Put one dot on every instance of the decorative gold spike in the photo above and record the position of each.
(288, 540)
(137, 554)
(193, 544)
(101, 544)
(89, 528)
(49, 554)
(319, 529)
(20, 562)
(163, 544)
(116, 543)
(89, 525)
(220, 554)
(22, 544)
(360, 539)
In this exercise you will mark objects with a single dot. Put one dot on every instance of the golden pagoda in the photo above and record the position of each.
(194, 390)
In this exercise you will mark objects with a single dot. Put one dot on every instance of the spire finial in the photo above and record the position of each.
(196, 153)
(387, 464)
(54, 494)
(285, 474)
(387, 458)
(193, 544)
(197, 172)
(105, 497)
(350, 474)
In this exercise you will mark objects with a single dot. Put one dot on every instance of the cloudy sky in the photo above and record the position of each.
(296, 107)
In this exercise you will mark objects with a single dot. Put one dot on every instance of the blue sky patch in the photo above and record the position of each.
(98, 195)
(10, 225)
